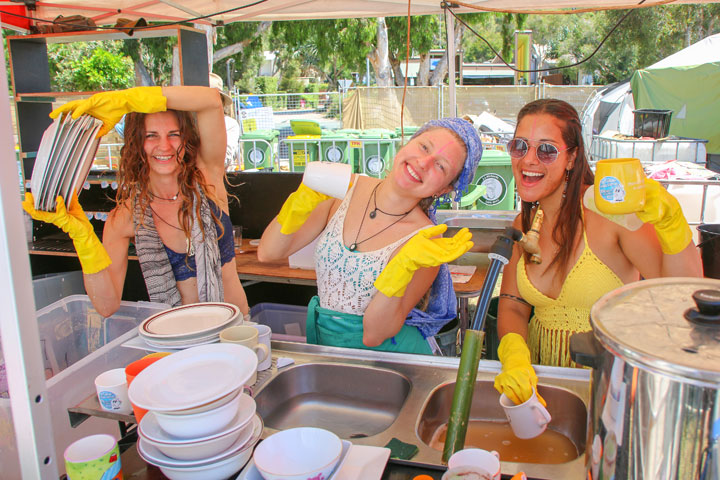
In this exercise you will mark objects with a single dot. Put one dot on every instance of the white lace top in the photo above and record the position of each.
(345, 279)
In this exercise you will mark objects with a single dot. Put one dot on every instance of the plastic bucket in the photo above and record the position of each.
(447, 338)
(710, 249)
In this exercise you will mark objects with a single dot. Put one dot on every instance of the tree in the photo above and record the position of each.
(423, 37)
(89, 66)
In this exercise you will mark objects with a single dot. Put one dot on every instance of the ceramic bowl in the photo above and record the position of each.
(208, 406)
(298, 454)
(195, 425)
(150, 428)
(204, 448)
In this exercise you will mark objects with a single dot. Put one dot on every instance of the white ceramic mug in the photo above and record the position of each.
(264, 334)
(112, 391)
(246, 336)
(329, 178)
(475, 460)
(527, 420)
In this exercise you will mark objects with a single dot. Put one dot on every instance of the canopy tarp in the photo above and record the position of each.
(106, 12)
(688, 83)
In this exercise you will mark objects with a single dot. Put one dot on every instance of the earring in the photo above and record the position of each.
(435, 197)
(567, 177)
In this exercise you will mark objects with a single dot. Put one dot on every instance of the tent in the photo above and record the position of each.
(610, 108)
(688, 83)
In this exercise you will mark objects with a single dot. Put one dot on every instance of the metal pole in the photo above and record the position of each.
(18, 324)
(450, 22)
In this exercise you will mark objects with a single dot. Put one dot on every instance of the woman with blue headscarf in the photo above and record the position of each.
(379, 251)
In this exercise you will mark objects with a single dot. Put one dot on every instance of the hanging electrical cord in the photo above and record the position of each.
(136, 29)
(544, 69)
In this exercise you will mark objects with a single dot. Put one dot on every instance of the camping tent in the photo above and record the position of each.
(688, 83)
(610, 108)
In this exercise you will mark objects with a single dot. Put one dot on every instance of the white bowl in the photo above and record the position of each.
(298, 454)
(207, 406)
(203, 449)
(195, 425)
(213, 470)
(157, 457)
(150, 428)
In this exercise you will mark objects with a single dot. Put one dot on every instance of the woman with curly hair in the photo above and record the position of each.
(171, 200)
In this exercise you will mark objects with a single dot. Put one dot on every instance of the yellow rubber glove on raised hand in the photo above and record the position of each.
(298, 207)
(421, 251)
(74, 222)
(664, 212)
(517, 379)
(109, 107)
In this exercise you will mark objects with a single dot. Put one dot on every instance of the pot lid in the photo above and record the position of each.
(645, 324)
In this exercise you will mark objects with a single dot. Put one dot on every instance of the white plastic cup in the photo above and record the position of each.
(112, 391)
(476, 460)
(264, 334)
(329, 178)
(527, 420)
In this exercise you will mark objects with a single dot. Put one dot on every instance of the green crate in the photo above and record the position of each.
(495, 173)
(258, 149)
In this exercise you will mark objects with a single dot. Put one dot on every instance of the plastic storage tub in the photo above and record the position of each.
(77, 345)
(287, 322)
(653, 123)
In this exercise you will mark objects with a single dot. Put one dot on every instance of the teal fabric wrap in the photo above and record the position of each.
(337, 329)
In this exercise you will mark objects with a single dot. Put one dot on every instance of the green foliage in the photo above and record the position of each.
(248, 61)
(89, 66)
(266, 84)
(424, 31)
(155, 53)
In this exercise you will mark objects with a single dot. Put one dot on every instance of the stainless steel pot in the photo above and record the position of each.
(655, 401)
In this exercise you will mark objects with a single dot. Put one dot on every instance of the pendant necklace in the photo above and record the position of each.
(373, 212)
(189, 247)
(171, 199)
(353, 246)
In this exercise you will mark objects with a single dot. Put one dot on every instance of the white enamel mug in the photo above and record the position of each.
(527, 420)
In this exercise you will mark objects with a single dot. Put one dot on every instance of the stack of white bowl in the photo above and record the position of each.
(199, 424)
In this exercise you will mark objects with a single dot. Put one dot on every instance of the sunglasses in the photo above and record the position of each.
(546, 152)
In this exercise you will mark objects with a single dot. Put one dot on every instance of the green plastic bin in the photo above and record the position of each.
(495, 172)
(335, 147)
(377, 152)
(258, 149)
(303, 149)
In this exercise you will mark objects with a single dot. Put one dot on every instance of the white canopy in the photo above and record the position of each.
(108, 11)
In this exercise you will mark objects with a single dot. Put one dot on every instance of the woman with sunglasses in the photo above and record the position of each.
(584, 254)
(378, 252)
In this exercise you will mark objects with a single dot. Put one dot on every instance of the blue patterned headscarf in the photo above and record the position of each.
(473, 145)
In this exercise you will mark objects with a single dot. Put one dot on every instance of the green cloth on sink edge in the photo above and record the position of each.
(401, 450)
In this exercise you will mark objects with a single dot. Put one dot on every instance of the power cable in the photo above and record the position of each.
(544, 69)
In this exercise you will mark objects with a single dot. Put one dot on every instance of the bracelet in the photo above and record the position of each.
(513, 297)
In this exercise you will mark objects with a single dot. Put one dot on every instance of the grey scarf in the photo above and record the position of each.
(154, 263)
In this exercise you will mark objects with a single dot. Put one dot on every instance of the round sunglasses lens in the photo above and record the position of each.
(547, 152)
(517, 148)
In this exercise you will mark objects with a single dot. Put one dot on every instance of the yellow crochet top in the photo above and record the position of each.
(555, 319)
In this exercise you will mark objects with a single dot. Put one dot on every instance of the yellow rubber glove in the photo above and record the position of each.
(90, 251)
(517, 379)
(664, 212)
(298, 207)
(421, 251)
(109, 107)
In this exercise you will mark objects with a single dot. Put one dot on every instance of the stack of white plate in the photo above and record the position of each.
(189, 325)
(199, 423)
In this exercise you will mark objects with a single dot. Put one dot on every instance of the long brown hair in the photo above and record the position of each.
(133, 173)
(570, 216)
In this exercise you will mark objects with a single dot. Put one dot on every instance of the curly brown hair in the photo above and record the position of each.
(133, 173)
(569, 217)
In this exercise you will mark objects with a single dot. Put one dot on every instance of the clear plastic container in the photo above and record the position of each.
(287, 322)
(77, 344)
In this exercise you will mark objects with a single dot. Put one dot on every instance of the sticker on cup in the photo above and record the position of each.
(112, 391)
(95, 457)
(619, 186)
(611, 190)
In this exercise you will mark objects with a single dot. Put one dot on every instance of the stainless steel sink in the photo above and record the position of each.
(569, 415)
(485, 225)
(352, 401)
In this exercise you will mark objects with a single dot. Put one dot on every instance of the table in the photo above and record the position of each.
(250, 268)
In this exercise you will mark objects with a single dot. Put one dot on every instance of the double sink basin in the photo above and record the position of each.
(371, 397)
